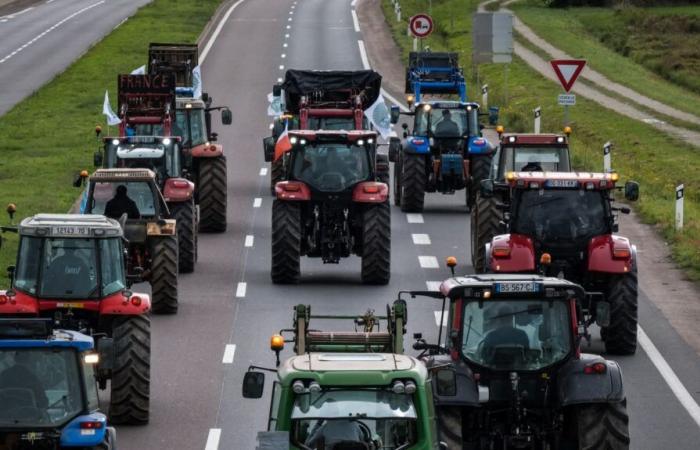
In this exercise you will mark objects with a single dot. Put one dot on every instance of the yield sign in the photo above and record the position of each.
(567, 71)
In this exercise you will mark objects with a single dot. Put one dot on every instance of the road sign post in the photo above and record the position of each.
(485, 96)
(538, 119)
(679, 207)
(567, 71)
(607, 157)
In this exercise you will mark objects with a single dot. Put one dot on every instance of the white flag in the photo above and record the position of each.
(140, 71)
(196, 82)
(112, 118)
(274, 108)
(378, 115)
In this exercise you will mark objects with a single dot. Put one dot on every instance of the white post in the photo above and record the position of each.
(679, 207)
(397, 9)
(415, 44)
(485, 96)
(607, 157)
(538, 119)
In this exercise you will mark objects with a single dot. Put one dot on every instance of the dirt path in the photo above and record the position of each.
(660, 279)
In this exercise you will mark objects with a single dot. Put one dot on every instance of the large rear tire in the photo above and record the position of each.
(286, 242)
(397, 182)
(131, 375)
(276, 174)
(164, 262)
(621, 335)
(413, 181)
(185, 214)
(484, 226)
(376, 244)
(603, 426)
(480, 168)
(449, 421)
(212, 187)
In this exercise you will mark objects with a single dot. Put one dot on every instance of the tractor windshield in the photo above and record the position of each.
(144, 152)
(558, 215)
(39, 387)
(534, 159)
(68, 267)
(377, 418)
(516, 335)
(138, 191)
(445, 122)
(331, 167)
(191, 127)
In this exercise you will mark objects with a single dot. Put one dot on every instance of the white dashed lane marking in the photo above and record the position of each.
(213, 439)
(421, 239)
(249, 240)
(229, 353)
(355, 22)
(428, 262)
(240, 290)
(257, 202)
(414, 218)
(433, 285)
(263, 171)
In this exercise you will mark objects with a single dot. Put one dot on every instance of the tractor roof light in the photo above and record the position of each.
(91, 358)
(115, 141)
(511, 139)
(614, 176)
(276, 342)
(500, 129)
(84, 173)
(560, 139)
(166, 141)
(410, 387)
(398, 387)
(567, 131)
(546, 259)
(360, 142)
(298, 387)
(451, 261)
(410, 98)
(293, 140)
(314, 387)
(510, 176)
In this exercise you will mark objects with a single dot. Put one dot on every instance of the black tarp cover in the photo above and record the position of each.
(329, 86)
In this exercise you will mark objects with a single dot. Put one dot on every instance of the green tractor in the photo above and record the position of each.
(347, 390)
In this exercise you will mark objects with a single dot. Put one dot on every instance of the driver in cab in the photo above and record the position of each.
(122, 204)
(447, 127)
(503, 334)
(331, 433)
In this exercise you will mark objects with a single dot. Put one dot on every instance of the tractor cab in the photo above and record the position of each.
(162, 155)
(509, 372)
(48, 389)
(347, 389)
(531, 153)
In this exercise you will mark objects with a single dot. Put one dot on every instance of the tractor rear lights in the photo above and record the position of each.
(621, 252)
(595, 369)
(166, 141)
(91, 358)
(180, 184)
(292, 190)
(91, 425)
(501, 252)
(370, 192)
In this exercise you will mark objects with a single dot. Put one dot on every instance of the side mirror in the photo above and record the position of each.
(446, 382)
(632, 191)
(269, 148)
(486, 188)
(214, 137)
(602, 314)
(394, 149)
(253, 384)
(443, 446)
(11, 273)
(226, 116)
(97, 159)
(105, 348)
(205, 97)
(395, 113)
(276, 90)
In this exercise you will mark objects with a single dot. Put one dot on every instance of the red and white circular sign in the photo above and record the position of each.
(421, 25)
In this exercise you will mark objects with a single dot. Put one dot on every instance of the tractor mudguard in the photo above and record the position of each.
(370, 192)
(178, 190)
(117, 304)
(511, 253)
(479, 146)
(610, 254)
(417, 145)
(73, 435)
(293, 191)
(466, 392)
(575, 386)
(269, 148)
(207, 151)
(18, 304)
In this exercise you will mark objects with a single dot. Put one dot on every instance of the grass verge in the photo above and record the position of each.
(48, 138)
(641, 152)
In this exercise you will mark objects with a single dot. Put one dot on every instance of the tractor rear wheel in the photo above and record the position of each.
(376, 244)
(484, 226)
(413, 181)
(164, 264)
(286, 242)
(603, 425)
(450, 426)
(480, 168)
(621, 335)
(212, 194)
(397, 182)
(276, 174)
(131, 375)
(185, 214)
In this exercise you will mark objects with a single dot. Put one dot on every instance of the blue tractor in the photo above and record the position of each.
(445, 150)
(48, 389)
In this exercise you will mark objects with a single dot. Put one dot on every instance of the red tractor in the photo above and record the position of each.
(331, 205)
(322, 100)
(562, 224)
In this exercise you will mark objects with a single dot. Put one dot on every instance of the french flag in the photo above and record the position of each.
(283, 144)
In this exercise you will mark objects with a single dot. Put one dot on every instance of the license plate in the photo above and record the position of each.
(562, 183)
(70, 305)
(70, 231)
(514, 287)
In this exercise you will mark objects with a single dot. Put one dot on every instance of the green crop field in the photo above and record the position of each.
(49, 137)
(641, 152)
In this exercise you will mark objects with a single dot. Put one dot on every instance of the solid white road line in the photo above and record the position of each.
(215, 35)
(213, 439)
(249, 240)
(263, 171)
(240, 290)
(433, 285)
(229, 353)
(428, 262)
(363, 55)
(421, 239)
(437, 318)
(355, 22)
(257, 202)
(353, 3)
(669, 376)
(414, 218)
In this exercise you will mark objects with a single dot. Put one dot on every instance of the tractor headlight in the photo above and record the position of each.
(115, 141)
(293, 140)
(398, 387)
(298, 387)
(314, 387)
(410, 387)
(166, 141)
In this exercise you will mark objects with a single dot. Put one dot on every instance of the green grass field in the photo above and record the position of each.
(657, 161)
(49, 137)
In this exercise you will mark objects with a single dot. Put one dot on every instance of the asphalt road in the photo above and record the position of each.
(229, 307)
(40, 39)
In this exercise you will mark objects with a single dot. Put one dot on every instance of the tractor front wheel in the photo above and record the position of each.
(376, 244)
(185, 214)
(603, 425)
(480, 168)
(621, 335)
(212, 196)
(164, 270)
(484, 226)
(413, 181)
(286, 242)
(131, 375)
